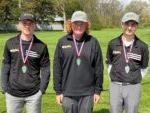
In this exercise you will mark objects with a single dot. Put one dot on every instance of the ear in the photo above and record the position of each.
(19, 26)
(88, 26)
(122, 24)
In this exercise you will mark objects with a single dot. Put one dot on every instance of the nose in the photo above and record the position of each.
(130, 26)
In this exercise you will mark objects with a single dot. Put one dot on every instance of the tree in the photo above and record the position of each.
(43, 9)
(142, 8)
(11, 9)
(65, 8)
(8, 11)
(110, 12)
(91, 8)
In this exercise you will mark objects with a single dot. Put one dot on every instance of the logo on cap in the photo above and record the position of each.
(27, 16)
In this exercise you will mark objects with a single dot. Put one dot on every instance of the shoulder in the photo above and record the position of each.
(12, 40)
(39, 42)
(115, 40)
(141, 43)
(64, 39)
(92, 39)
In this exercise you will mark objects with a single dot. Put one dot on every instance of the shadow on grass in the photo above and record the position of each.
(102, 111)
(145, 83)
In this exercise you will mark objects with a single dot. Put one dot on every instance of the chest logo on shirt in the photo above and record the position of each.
(66, 46)
(116, 52)
(33, 54)
(14, 50)
(134, 56)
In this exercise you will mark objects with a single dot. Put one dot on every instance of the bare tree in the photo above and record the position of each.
(110, 12)
(142, 8)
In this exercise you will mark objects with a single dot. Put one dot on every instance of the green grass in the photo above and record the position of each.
(49, 104)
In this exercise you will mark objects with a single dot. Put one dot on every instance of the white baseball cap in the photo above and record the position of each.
(79, 16)
(130, 16)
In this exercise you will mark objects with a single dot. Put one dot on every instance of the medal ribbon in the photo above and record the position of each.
(22, 54)
(78, 51)
(125, 52)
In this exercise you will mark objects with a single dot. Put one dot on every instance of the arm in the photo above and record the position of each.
(57, 74)
(144, 72)
(45, 70)
(109, 69)
(98, 69)
(5, 68)
(57, 70)
(109, 55)
(109, 60)
(144, 62)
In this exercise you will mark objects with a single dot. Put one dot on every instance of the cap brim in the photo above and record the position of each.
(130, 20)
(26, 18)
(79, 20)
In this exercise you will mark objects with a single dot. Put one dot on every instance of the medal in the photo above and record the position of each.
(127, 69)
(78, 60)
(24, 68)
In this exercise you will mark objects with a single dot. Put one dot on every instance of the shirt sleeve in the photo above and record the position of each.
(5, 68)
(109, 55)
(145, 57)
(99, 67)
(57, 69)
(144, 72)
(109, 69)
(45, 70)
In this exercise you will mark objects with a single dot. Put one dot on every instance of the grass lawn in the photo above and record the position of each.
(50, 38)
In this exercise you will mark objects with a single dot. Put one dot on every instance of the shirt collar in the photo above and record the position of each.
(84, 37)
(119, 41)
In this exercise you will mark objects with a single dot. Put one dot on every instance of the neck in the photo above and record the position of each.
(26, 37)
(77, 37)
(128, 38)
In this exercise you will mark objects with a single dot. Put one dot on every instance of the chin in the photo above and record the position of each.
(27, 32)
(129, 34)
(79, 33)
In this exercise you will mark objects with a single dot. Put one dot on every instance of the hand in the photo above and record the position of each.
(59, 99)
(97, 98)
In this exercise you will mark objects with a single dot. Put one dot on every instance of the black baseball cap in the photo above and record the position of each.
(27, 16)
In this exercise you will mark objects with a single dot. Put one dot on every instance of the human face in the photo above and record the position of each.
(27, 27)
(129, 28)
(78, 28)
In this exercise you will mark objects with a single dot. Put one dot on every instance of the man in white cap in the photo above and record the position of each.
(127, 59)
(78, 67)
(26, 68)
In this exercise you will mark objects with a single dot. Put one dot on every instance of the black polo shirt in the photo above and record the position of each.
(138, 59)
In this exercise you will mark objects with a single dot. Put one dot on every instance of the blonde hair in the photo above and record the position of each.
(19, 26)
(69, 27)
